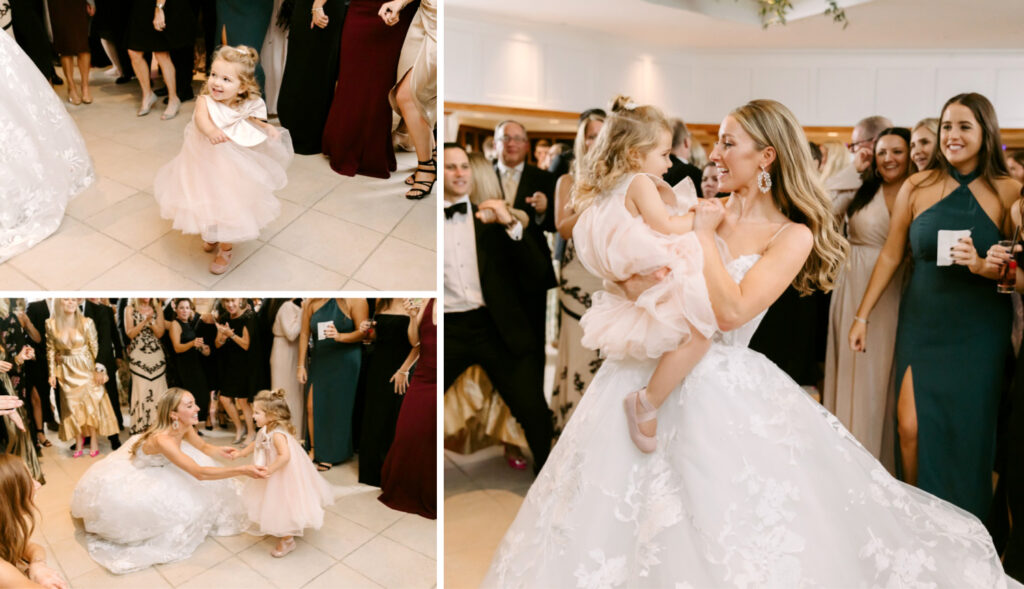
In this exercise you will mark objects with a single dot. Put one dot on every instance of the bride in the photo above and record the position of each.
(43, 160)
(753, 484)
(157, 498)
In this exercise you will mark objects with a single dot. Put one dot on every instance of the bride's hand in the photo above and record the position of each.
(227, 452)
(256, 472)
(859, 336)
(638, 283)
(710, 214)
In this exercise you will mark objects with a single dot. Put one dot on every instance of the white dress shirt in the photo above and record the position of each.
(462, 290)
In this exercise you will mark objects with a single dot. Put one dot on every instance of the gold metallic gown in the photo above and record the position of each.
(83, 403)
(475, 417)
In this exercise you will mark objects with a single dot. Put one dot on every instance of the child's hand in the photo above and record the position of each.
(218, 137)
(257, 472)
(228, 453)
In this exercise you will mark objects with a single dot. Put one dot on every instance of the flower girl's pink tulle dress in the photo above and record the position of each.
(614, 245)
(293, 498)
(225, 192)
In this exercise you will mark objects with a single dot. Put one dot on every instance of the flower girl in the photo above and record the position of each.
(294, 495)
(633, 223)
(221, 185)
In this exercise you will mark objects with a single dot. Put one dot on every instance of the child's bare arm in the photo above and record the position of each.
(642, 198)
(205, 124)
(283, 453)
(269, 129)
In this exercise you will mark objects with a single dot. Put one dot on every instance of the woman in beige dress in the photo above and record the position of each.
(284, 356)
(414, 97)
(858, 385)
(71, 346)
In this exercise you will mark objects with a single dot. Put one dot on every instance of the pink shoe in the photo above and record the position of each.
(78, 454)
(94, 454)
(516, 462)
(288, 547)
(644, 443)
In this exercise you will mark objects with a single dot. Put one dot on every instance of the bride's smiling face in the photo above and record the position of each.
(737, 157)
(187, 411)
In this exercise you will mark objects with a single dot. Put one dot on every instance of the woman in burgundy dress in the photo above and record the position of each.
(357, 136)
(409, 476)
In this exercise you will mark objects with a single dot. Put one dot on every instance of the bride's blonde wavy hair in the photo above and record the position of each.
(629, 133)
(797, 190)
(166, 405)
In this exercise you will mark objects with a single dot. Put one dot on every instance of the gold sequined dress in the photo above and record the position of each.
(83, 403)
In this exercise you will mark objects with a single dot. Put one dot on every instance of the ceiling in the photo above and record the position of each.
(873, 24)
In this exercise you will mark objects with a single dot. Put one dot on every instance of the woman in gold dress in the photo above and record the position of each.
(71, 346)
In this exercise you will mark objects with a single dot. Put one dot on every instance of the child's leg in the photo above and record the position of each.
(672, 368)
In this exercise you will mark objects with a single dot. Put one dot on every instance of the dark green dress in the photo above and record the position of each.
(333, 375)
(954, 330)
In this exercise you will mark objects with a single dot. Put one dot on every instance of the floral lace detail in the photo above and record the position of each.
(43, 159)
(753, 484)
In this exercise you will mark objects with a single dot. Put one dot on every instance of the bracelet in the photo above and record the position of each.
(864, 321)
(160, 5)
(402, 372)
(317, 9)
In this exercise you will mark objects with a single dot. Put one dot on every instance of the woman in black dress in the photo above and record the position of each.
(310, 71)
(159, 26)
(189, 348)
(387, 378)
(233, 341)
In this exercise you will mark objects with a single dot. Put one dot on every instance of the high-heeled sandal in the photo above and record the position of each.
(634, 418)
(221, 267)
(416, 193)
(432, 162)
(147, 105)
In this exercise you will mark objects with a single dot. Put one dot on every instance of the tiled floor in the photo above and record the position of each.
(363, 544)
(334, 232)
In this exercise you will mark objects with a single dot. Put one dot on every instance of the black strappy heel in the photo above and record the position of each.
(416, 193)
(432, 162)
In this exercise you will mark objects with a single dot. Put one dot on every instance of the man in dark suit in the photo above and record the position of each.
(680, 156)
(108, 353)
(490, 269)
(39, 373)
(531, 190)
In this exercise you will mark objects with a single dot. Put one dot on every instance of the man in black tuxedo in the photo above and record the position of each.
(680, 156)
(39, 373)
(490, 269)
(108, 354)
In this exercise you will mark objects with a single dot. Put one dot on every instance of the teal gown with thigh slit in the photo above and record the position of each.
(954, 330)
(333, 375)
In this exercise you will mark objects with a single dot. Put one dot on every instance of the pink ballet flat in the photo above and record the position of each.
(644, 443)
(94, 454)
(78, 454)
(288, 547)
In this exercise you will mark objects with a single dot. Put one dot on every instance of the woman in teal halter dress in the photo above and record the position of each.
(333, 373)
(954, 328)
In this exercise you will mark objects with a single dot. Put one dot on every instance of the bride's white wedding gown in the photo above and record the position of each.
(753, 484)
(145, 511)
(43, 159)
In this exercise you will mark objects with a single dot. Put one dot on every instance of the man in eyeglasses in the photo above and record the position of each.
(844, 184)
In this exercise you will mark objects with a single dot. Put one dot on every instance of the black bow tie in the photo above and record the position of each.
(455, 208)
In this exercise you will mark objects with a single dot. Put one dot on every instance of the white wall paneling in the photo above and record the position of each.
(542, 66)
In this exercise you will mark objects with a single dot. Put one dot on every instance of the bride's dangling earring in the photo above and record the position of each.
(764, 181)
(175, 425)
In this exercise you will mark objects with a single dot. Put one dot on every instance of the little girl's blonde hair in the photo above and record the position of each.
(247, 58)
(629, 133)
(277, 410)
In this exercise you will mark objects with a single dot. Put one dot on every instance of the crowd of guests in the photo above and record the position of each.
(911, 350)
(92, 370)
(347, 78)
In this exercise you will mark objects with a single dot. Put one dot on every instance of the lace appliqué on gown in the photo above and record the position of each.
(753, 484)
(43, 159)
(145, 510)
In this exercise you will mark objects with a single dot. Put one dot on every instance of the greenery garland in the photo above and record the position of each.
(774, 12)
